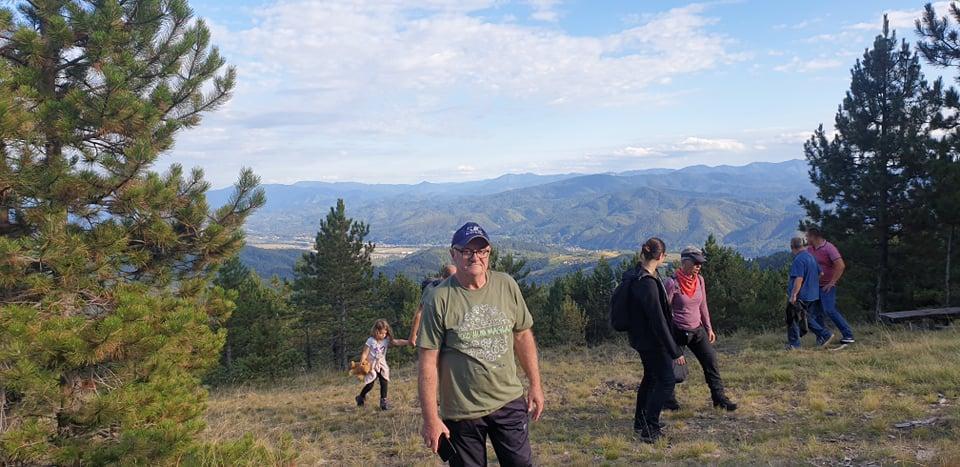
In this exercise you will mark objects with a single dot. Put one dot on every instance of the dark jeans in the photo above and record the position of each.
(369, 386)
(655, 387)
(508, 432)
(701, 347)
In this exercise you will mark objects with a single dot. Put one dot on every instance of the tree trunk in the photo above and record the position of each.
(308, 349)
(946, 279)
(881, 291)
(340, 353)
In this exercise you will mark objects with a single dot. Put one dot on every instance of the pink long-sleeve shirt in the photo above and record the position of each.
(689, 313)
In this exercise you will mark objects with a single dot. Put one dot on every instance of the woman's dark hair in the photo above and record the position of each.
(652, 249)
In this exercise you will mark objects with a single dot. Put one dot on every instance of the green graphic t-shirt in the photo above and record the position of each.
(473, 329)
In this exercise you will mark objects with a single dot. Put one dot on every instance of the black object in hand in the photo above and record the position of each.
(446, 449)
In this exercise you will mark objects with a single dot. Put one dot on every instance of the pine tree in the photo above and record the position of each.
(106, 313)
(259, 340)
(940, 45)
(516, 267)
(333, 286)
(597, 309)
(571, 323)
(867, 173)
(740, 295)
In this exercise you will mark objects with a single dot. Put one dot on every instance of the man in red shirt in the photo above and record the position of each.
(832, 266)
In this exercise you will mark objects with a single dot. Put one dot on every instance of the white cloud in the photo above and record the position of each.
(545, 10)
(806, 66)
(637, 151)
(901, 20)
(792, 137)
(367, 55)
(394, 81)
(695, 144)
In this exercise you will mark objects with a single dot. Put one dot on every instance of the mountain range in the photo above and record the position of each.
(752, 208)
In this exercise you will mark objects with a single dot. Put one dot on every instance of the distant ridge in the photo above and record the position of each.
(752, 208)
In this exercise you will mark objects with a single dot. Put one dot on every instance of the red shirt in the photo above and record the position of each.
(825, 256)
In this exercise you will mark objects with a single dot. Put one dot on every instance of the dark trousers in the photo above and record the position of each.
(701, 347)
(508, 432)
(655, 387)
(369, 386)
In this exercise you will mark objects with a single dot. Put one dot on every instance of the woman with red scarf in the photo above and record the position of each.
(691, 317)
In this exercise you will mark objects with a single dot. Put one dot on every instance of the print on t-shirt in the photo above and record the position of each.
(485, 333)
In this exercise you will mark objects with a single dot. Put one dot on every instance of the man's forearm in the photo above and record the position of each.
(797, 284)
(525, 347)
(427, 378)
(415, 326)
(838, 271)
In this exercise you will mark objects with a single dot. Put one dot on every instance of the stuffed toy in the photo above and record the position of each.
(359, 369)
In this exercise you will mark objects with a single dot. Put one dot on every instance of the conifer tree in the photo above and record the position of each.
(571, 322)
(867, 174)
(940, 46)
(259, 340)
(597, 309)
(105, 304)
(333, 287)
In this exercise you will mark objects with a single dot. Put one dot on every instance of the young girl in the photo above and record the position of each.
(375, 352)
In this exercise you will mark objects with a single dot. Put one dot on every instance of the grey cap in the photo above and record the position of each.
(693, 254)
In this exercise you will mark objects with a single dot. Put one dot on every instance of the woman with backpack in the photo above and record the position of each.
(651, 335)
(687, 294)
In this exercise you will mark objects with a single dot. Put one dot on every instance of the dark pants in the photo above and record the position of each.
(655, 387)
(698, 342)
(369, 386)
(508, 432)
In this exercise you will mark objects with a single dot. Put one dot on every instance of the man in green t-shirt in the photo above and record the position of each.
(473, 324)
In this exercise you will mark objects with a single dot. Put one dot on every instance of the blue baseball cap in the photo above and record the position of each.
(467, 232)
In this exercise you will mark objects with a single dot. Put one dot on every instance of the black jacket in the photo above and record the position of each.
(651, 323)
(797, 314)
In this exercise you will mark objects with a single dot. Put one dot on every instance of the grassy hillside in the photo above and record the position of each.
(810, 407)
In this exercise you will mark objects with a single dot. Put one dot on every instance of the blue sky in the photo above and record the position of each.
(399, 91)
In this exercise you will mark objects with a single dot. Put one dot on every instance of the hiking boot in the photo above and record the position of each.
(671, 405)
(847, 340)
(724, 403)
(359, 400)
(648, 435)
(384, 404)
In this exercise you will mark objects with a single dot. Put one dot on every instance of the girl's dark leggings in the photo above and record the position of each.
(369, 386)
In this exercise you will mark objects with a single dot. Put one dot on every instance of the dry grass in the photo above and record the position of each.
(803, 407)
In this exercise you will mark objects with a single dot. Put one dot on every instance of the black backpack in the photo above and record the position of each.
(620, 308)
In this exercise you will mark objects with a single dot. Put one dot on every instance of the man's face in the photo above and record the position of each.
(812, 238)
(472, 259)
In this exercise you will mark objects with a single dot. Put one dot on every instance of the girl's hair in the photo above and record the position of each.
(380, 325)
(652, 249)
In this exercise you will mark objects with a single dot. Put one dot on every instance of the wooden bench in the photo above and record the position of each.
(937, 315)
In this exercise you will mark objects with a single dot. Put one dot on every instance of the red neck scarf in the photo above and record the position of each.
(688, 283)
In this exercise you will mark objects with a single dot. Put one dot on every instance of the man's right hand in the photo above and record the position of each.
(681, 360)
(431, 433)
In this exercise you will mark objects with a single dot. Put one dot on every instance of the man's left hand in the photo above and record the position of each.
(535, 402)
(711, 336)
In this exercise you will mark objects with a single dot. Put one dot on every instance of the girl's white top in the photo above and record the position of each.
(378, 360)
